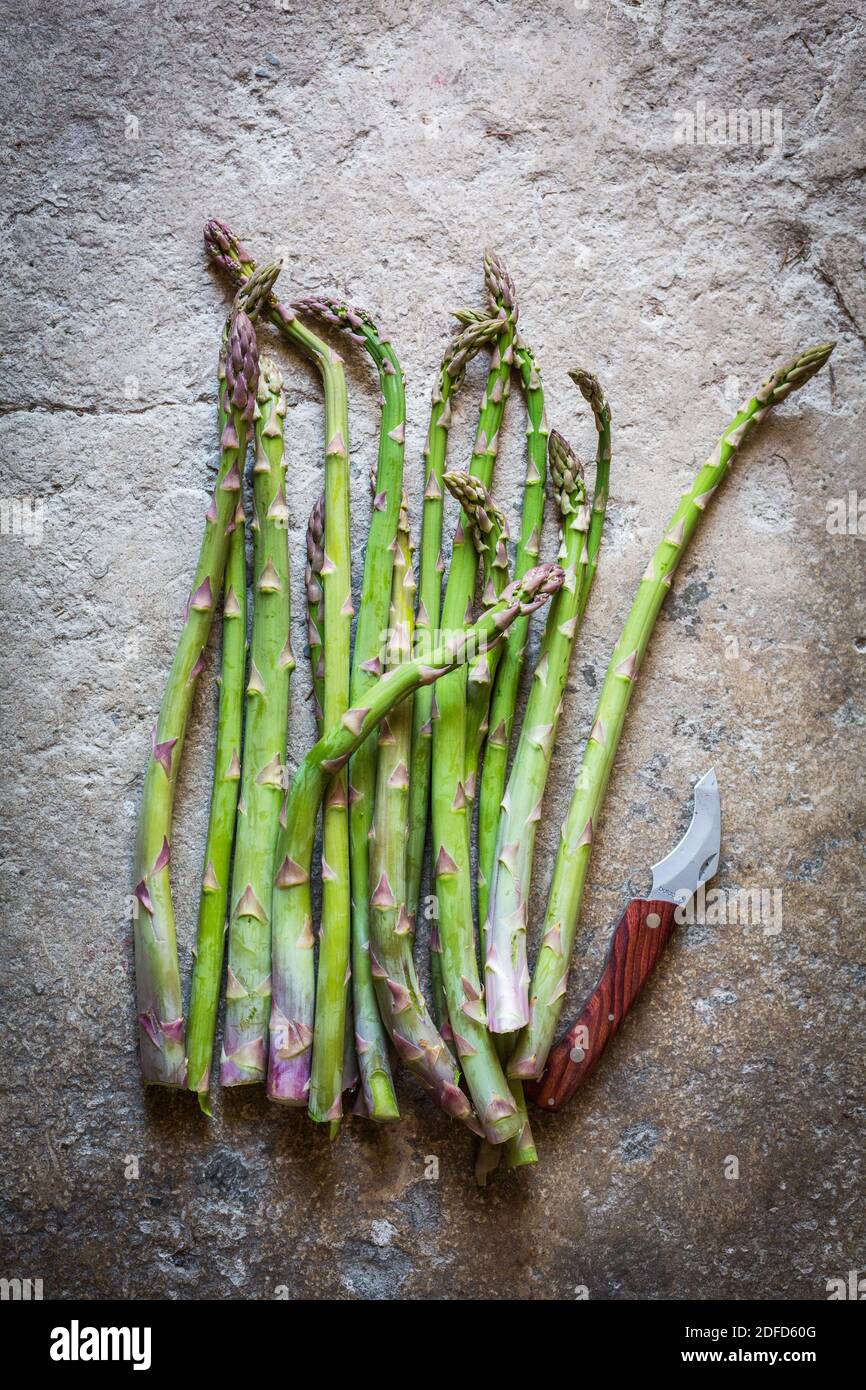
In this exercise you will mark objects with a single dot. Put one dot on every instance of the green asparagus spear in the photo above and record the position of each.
(248, 989)
(489, 531)
(506, 971)
(316, 606)
(504, 698)
(589, 388)
(549, 980)
(213, 900)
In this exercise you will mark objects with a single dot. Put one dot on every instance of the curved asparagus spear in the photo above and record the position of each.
(160, 1010)
(248, 987)
(563, 905)
(459, 352)
(401, 1001)
(506, 972)
(316, 606)
(504, 698)
(452, 868)
(292, 915)
(370, 1038)
(213, 900)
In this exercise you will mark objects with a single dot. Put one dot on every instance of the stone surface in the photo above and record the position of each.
(378, 147)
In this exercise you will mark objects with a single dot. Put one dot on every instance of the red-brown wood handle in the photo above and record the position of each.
(640, 938)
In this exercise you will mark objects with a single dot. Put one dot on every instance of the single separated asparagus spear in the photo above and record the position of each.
(325, 1102)
(449, 380)
(248, 988)
(401, 1001)
(506, 972)
(563, 905)
(370, 1037)
(213, 899)
(160, 1009)
(493, 1102)
(505, 689)
(292, 919)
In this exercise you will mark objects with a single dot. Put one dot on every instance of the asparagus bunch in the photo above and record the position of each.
(295, 991)
(371, 1042)
(160, 1009)
(401, 1001)
(292, 917)
(550, 978)
(459, 353)
(213, 899)
(248, 988)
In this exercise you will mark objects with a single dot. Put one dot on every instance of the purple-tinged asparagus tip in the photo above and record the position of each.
(242, 364)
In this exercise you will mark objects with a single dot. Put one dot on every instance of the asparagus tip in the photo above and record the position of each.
(500, 286)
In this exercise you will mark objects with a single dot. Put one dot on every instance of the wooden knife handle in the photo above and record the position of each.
(640, 938)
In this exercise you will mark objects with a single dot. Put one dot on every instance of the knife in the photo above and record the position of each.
(640, 938)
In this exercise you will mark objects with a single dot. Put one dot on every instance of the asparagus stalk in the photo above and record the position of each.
(590, 389)
(248, 988)
(504, 698)
(370, 1037)
(325, 1102)
(506, 970)
(160, 1009)
(292, 915)
(563, 906)
(316, 606)
(213, 900)
(460, 351)
(401, 1001)
(451, 798)
(489, 531)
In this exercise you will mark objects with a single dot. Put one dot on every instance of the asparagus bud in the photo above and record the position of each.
(500, 286)
(242, 366)
(566, 474)
(256, 292)
(225, 250)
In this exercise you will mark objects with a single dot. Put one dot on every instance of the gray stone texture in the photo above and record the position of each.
(378, 147)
